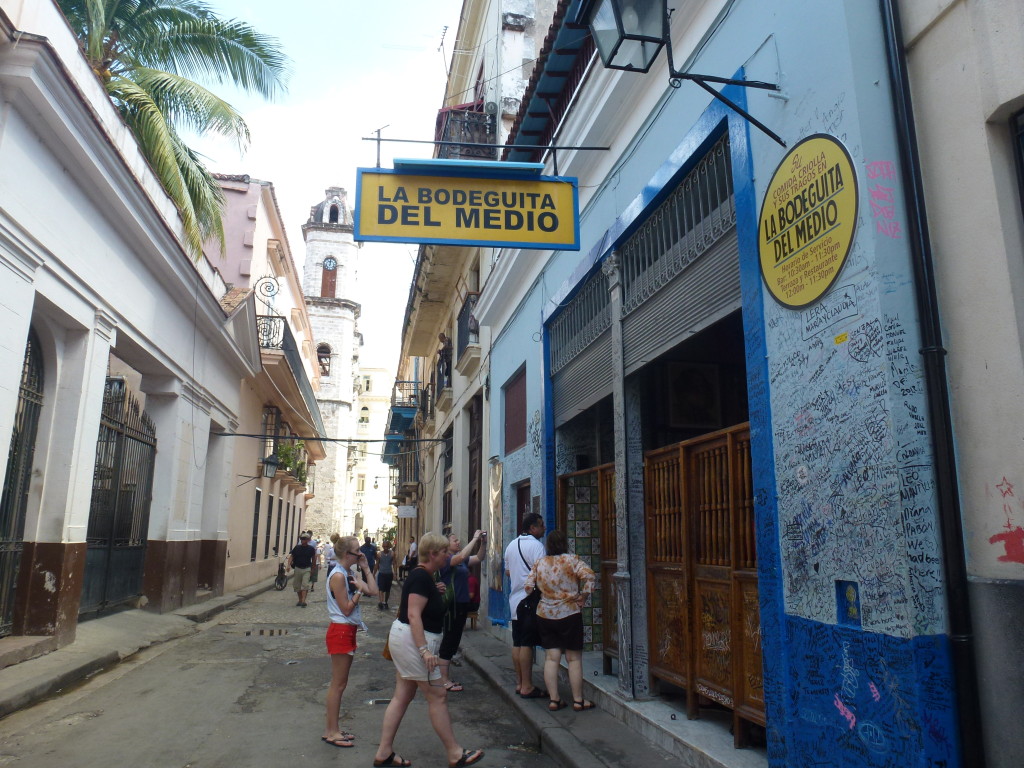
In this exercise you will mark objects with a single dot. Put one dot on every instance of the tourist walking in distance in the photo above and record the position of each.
(410, 559)
(565, 582)
(370, 550)
(385, 575)
(413, 642)
(330, 558)
(345, 589)
(301, 559)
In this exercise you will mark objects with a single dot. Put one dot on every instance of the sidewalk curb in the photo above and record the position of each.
(13, 700)
(203, 612)
(550, 736)
(96, 649)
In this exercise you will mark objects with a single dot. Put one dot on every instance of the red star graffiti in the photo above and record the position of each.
(1005, 487)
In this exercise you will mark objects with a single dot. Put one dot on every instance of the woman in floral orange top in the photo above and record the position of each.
(564, 582)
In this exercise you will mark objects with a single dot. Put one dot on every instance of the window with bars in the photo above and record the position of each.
(271, 427)
(255, 526)
(587, 316)
(693, 218)
(270, 518)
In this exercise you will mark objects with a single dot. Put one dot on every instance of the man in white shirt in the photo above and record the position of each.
(520, 555)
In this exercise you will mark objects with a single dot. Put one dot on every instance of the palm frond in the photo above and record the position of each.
(149, 54)
(177, 169)
(186, 104)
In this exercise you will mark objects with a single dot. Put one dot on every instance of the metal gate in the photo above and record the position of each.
(16, 479)
(122, 489)
(703, 614)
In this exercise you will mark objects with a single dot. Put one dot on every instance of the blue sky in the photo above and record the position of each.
(356, 67)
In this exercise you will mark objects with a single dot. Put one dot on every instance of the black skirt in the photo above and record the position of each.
(565, 634)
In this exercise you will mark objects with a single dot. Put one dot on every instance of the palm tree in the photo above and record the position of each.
(149, 55)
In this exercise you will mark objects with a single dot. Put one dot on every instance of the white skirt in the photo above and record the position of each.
(408, 661)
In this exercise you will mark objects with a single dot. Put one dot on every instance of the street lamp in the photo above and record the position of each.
(629, 34)
(270, 465)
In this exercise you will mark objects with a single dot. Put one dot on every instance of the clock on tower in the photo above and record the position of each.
(330, 263)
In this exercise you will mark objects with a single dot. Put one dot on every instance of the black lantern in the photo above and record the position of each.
(270, 465)
(629, 34)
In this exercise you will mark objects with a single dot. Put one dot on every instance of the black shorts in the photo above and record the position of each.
(384, 581)
(518, 639)
(565, 634)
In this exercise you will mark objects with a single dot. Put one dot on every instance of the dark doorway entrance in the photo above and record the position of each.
(122, 489)
(16, 480)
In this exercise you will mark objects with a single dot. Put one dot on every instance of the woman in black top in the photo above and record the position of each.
(413, 641)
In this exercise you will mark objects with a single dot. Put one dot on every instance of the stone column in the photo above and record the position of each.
(216, 503)
(630, 586)
(180, 412)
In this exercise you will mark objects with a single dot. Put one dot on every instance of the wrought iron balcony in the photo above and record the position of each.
(469, 127)
(426, 404)
(405, 394)
(273, 332)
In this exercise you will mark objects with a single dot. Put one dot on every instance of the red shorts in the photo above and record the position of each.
(341, 638)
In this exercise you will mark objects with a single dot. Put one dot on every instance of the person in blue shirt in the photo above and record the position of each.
(370, 550)
(455, 574)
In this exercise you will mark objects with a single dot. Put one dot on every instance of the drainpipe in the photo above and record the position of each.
(961, 633)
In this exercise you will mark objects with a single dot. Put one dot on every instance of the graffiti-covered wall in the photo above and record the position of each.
(856, 657)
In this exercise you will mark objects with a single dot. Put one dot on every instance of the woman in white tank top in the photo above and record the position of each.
(344, 590)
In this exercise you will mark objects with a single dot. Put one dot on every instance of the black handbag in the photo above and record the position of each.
(526, 613)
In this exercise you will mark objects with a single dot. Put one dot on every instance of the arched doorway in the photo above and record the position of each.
(16, 480)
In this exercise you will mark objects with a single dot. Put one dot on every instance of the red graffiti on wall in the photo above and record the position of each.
(1013, 540)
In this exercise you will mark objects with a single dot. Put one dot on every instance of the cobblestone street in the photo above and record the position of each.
(249, 689)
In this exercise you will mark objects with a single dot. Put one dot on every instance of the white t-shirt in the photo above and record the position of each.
(517, 569)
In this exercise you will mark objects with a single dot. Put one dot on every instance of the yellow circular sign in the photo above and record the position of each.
(808, 219)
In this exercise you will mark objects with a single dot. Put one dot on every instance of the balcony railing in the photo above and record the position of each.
(442, 376)
(468, 331)
(407, 466)
(469, 127)
(274, 332)
(426, 404)
(406, 394)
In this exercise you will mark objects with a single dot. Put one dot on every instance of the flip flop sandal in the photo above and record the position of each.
(341, 743)
(536, 693)
(579, 706)
(555, 705)
(452, 687)
(394, 761)
(469, 756)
